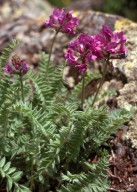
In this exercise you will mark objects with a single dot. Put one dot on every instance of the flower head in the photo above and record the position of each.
(16, 66)
(62, 21)
(114, 43)
(82, 51)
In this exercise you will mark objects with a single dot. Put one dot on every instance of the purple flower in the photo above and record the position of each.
(24, 68)
(70, 57)
(82, 67)
(62, 21)
(114, 43)
(106, 31)
(17, 66)
(119, 37)
(111, 47)
(8, 69)
(82, 51)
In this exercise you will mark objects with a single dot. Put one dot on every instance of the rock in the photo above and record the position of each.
(128, 94)
(85, 4)
(32, 9)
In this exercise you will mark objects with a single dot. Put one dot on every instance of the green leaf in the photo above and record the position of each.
(9, 184)
(11, 170)
(7, 166)
(24, 189)
(2, 162)
(2, 173)
(17, 175)
(41, 178)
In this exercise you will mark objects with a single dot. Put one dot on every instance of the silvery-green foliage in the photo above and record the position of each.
(46, 142)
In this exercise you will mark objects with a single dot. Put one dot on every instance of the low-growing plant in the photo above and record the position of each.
(50, 140)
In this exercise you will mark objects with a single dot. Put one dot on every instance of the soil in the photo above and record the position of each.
(123, 165)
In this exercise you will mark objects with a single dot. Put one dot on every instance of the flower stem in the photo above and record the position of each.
(50, 52)
(101, 82)
(21, 86)
(83, 84)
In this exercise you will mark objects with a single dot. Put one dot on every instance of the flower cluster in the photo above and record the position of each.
(62, 21)
(86, 48)
(113, 43)
(16, 66)
(82, 51)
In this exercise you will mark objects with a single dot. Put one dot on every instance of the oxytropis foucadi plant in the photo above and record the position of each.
(46, 142)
